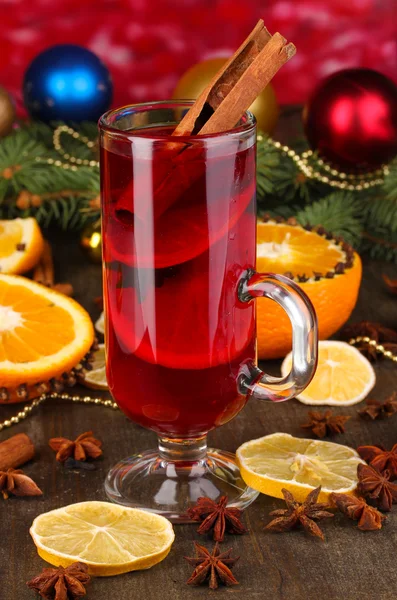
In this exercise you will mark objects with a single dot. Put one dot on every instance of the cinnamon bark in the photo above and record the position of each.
(15, 451)
(44, 271)
(218, 108)
(234, 88)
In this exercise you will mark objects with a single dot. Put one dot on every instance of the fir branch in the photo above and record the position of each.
(339, 212)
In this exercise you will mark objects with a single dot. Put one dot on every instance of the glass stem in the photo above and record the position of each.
(183, 450)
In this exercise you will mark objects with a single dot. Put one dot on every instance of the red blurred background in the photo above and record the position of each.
(148, 44)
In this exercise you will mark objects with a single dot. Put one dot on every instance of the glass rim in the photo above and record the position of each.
(247, 127)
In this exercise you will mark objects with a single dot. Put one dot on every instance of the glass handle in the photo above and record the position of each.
(294, 301)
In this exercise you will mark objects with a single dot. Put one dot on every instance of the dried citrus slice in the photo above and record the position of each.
(108, 538)
(100, 323)
(326, 269)
(96, 377)
(343, 376)
(280, 460)
(21, 245)
(42, 333)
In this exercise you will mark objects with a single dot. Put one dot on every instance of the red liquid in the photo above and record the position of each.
(179, 231)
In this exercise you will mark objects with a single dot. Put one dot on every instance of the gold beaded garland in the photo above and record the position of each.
(110, 404)
(305, 162)
(54, 396)
(378, 347)
(343, 181)
(72, 161)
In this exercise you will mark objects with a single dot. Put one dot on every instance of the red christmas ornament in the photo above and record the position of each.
(351, 119)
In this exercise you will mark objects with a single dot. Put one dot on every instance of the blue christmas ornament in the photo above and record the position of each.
(67, 83)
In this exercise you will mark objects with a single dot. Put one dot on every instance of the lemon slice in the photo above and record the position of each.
(343, 377)
(280, 460)
(96, 378)
(100, 323)
(108, 538)
(21, 245)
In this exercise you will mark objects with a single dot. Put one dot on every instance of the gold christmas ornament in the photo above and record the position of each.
(91, 241)
(7, 112)
(195, 79)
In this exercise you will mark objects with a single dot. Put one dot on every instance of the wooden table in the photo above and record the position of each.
(350, 565)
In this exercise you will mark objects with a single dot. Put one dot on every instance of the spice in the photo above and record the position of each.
(377, 487)
(217, 516)
(82, 447)
(14, 482)
(238, 83)
(377, 410)
(300, 513)
(218, 108)
(61, 583)
(391, 284)
(212, 566)
(380, 459)
(373, 332)
(15, 451)
(44, 273)
(326, 423)
(368, 517)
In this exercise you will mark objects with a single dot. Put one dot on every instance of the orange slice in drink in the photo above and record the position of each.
(190, 318)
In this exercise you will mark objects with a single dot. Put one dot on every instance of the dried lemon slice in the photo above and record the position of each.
(108, 538)
(96, 377)
(280, 460)
(343, 376)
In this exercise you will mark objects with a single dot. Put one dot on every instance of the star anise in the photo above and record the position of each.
(61, 583)
(380, 458)
(375, 331)
(326, 423)
(14, 482)
(368, 517)
(303, 513)
(82, 447)
(217, 516)
(377, 486)
(212, 566)
(377, 410)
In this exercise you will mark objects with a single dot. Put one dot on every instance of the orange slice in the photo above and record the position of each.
(328, 270)
(42, 333)
(21, 245)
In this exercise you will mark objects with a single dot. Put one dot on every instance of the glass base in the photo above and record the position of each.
(169, 487)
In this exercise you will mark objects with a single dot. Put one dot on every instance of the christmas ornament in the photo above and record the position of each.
(7, 112)
(351, 119)
(91, 241)
(68, 83)
(193, 81)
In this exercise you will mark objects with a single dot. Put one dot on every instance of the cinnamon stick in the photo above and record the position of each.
(44, 271)
(15, 451)
(234, 88)
(64, 288)
(218, 108)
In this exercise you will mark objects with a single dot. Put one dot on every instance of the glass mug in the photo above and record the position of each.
(179, 245)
